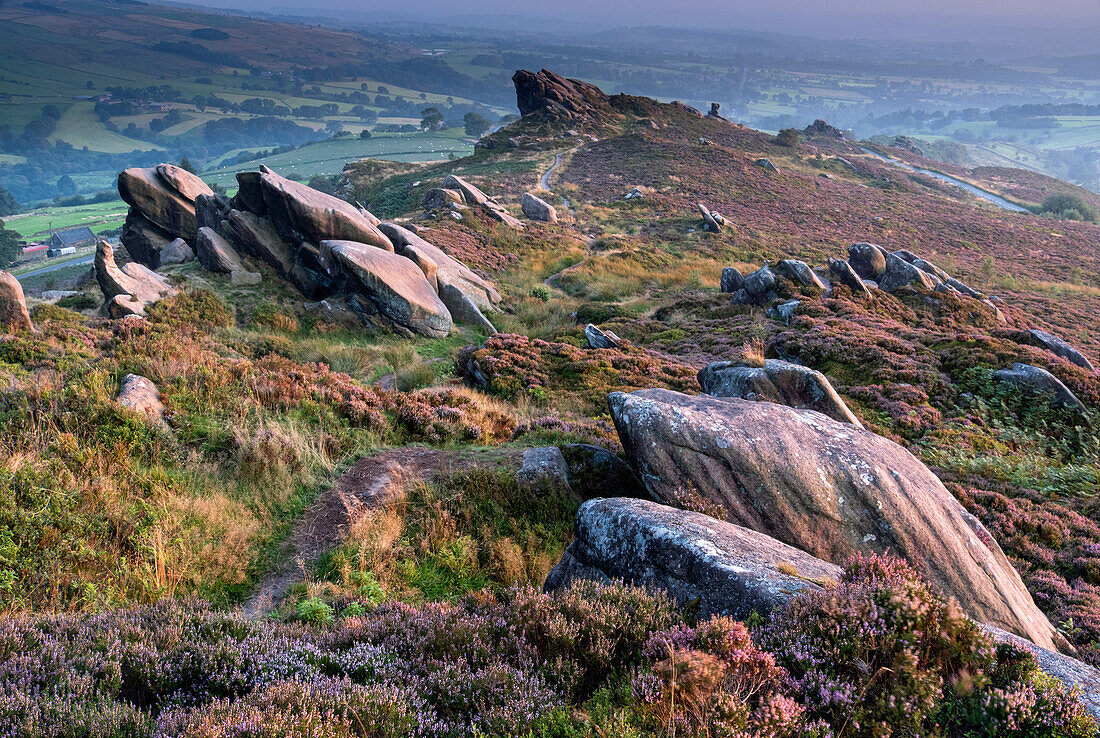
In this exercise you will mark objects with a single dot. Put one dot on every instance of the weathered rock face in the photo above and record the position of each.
(710, 223)
(392, 284)
(497, 212)
(777, 381)
(165, 196)
(1058, 347)
(215, 254)
(841, 272)
(250, 195)
(449, 271)
(142, 240)
(727, 569)
(1036, 382)
(867, 260)
(176, 252)
(538, 209)
(732, 280)
(826, 487)
(558, 98)
(598, 339)
(211, 210)
(127, 290)
(140, 395)
(13, 306)
(463, 310)
(295, 208)
(821, 128)
(923, 264)
(257, 237)
(767, 165)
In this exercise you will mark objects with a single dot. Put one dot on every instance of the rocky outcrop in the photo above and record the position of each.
(1058, 347)
(441, 199)
(13, 306)
(711, 224)
(1039, 383)
(800, 272)
(392, 284)
(142, 240)
(129, 289)
(556, 98)
(821, 128)
(254, 235)
(723, 568)
(296, 209)
(756, 288)
(217, 255)
(162, 202)
(777, 381)
(826, 487)
(599, 339)
(900, 273)
(141, 396)
(471, 195)
(714, 108)
(538, 209)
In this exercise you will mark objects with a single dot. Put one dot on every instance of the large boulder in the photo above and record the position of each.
(826, 487)
(299, 210)
(129, 289)
(499, 213)
(176, 252)
(732, 280)
(449, 271)
(800, 272)
(1058, 347)
(439, 199)
(392, 284)
(143, 240)
(600, 339)
(538, 209)
(777, 381)
(726, 569)
(165, 195)
(1036, 382)
(867, 260)
(13, 306)
(211, 210)
(710, 223)
(543, 471)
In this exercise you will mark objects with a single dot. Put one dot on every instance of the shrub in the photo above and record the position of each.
(541, 292)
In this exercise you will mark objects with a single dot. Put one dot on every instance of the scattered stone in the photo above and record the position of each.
(900, 273)
(824, 486)
(497, 212)
(538, 209)
(55, 295)
(779, 382)
(786, 310)
(441, 199)
(723, 568)
(1058, 347)
(141, 396)
(766, 165)
(1034, 381)
(13, 306)
(599, 339)
(841, 272)
(821, 128)
(295, 208)
(732, 280)
(177, 252)
(136, 284)
(543, 471)
(245, 278)
(596, 472)
(710, 223)
(463, 310)
(634, 194)
(800, 272)
(390, 283)
(759, 283)
(867, 259)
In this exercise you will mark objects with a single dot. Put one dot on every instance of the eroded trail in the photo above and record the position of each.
(371, 482)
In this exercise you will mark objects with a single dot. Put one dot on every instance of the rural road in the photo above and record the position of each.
(54, 267)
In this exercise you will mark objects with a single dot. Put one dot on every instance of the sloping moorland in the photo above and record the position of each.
(416, 607)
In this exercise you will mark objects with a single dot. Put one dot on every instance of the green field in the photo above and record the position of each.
(36, 224)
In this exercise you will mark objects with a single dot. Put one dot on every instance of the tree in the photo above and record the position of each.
(186, 165)
(431, 119)
(476, 124)
(1069, 207)
(9, 245)
(66, 186)
(333, 127)
(364, 134)
(8, 205)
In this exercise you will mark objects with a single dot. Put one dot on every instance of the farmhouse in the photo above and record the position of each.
(71, 238)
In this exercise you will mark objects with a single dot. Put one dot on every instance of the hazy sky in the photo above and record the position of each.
(827, 17)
